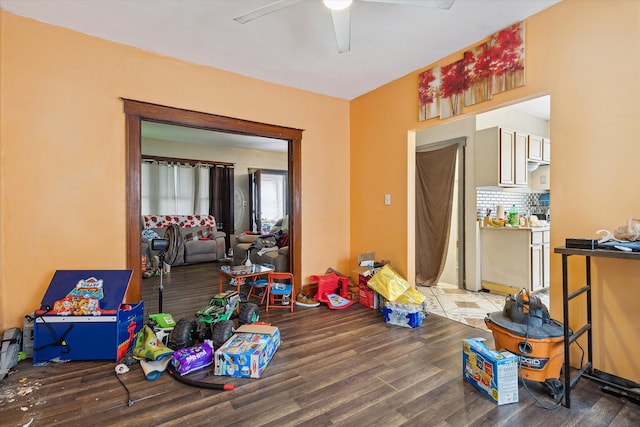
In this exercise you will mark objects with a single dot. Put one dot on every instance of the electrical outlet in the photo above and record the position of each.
(387, 199)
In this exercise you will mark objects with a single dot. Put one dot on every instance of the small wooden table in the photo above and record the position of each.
(253, 270)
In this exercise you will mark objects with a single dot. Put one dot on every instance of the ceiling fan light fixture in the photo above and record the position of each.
(337, 4)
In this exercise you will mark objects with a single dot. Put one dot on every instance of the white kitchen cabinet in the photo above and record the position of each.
(536, 268)
(515, 258)
(535, 148)
(520, 171)
(546, 150)
(539, 149)
(501, 158)
(506, 152)
(537, 261)
(546, 258)
(540, 259)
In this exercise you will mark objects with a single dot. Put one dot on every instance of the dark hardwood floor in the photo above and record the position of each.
(334, 367)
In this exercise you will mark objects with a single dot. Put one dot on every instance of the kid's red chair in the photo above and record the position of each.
(328, 284)
(280, 290)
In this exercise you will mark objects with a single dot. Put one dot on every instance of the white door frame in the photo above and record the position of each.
(469, 267)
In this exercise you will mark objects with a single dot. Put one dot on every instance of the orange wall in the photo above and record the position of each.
(585, 54)
(62, 136)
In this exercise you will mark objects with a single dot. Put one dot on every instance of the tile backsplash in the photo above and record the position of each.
(524, 202)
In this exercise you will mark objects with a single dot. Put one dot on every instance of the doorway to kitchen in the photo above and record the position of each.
(437, 212)
(517, 116)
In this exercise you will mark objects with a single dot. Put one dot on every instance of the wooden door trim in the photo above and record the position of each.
(136, 111)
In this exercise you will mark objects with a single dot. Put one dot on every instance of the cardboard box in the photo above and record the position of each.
(367, 296)
(82, 317)
(494, 373)
(366, 262)
(367, 265)
(247, 353)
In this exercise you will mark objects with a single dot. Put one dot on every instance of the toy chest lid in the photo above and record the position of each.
(107, 286)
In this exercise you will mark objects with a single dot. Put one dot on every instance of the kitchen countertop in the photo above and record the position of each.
(542, 228)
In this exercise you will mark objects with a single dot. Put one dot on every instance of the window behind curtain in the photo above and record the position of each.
(174, 189)
(274, 193)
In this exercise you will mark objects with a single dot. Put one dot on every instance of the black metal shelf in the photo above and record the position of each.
(587, 371)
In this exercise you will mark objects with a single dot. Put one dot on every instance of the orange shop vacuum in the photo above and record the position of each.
(525, 328)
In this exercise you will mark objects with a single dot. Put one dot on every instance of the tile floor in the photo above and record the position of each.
(469, 308)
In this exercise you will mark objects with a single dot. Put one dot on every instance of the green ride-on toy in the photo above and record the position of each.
(214, 322)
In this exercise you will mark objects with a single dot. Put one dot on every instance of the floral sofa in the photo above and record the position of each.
(199, 240)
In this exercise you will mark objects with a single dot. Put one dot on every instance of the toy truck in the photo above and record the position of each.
(215, 321)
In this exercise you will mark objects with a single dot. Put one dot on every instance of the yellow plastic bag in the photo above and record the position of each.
(388, 283)
(411, 296)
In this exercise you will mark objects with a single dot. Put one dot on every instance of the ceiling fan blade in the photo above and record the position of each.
(440, 4)
(265, 10)
(342, 28)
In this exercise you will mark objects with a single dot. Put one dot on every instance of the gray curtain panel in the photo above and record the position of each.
(221, 199)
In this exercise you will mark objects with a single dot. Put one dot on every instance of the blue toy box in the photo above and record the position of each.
(247, 353)
(82, 317)
(494, 373)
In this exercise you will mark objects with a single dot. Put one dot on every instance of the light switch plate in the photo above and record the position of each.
(387, 199)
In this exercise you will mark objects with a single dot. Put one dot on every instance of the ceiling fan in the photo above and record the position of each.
(340, 13)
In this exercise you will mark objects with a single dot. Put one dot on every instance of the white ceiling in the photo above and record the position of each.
(537, 107)
(294, 46)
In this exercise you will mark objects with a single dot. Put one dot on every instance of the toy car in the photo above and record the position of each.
(162, 325)
(214, 322)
